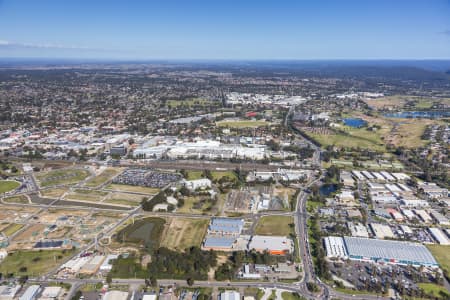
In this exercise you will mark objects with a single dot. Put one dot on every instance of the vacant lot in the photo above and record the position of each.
(219, 174)
(405, 102)
(274, 225)
(195, 205)
(188, 102)
(352, 138)
(194, 175)
(132, 188)
(106, 175)
(86, 195)
(54, 192)
(30, 232)
(21, 199)
(184, 233)
(8, 185)
(124, 199)
(242, 124)
(145, 232)
(11, 229)
(431, 288)
(442, 254)
(33, 263)
(62, 176)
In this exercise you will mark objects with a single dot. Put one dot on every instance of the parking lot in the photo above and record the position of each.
(147, 178)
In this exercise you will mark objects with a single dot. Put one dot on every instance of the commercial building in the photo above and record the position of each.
(226, 226)
(107, 263)
(50, 293)
(275, 245)
(202, 183)
(115, 295)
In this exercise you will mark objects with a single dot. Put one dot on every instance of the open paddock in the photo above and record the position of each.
(183, 233)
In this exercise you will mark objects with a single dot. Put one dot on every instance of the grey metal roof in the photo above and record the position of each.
(403, 252)
(220, 242)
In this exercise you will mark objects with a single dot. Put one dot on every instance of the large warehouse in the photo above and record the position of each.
(380, 251)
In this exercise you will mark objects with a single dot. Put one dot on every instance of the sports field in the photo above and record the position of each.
(184, 233)
(8, 185)
(274, 225)
(11, 229)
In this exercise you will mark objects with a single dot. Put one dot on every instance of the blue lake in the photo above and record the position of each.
(354, 122)
(419, 114)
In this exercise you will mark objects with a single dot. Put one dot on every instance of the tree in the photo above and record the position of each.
(109, 278)
(190, 281)
(153, 281)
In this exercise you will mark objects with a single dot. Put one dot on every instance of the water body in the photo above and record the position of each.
(327, 189)
(419, 114)
(354, 122)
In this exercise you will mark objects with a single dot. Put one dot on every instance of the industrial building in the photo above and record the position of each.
(439, 236)
(31, 292)
(379, 251)
(230, 295)
(382, 231)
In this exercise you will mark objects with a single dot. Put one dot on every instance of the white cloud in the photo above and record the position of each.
(4, 43)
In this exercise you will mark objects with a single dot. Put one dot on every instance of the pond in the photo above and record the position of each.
(419, 114)
(354, 122)
(328, 189)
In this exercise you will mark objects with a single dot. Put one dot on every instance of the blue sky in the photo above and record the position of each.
(213, 29)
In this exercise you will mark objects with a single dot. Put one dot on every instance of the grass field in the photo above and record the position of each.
(124, 199)
(53, 193)
(21, 199)
(32, 263)
(62, 176)
(184, 233)
(442, 254)
(399, 102)
(191, 205)
(8, 185)
(103, 177)
(132, 188)
(146, 232)
(86, 195)
(219, 174)
(274, 225)
(242, 124)
(194, 175)
(216, 175)
(431, 288)
(12, 228)
(355, 137)
(290, 296)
